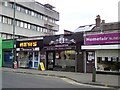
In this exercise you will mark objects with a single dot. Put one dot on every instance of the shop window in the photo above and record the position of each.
(36, 56)
(118, 59)
(99, 59)
(106, 58)
(114, 59)
(109, 58)
(65, 59)
(103, 58)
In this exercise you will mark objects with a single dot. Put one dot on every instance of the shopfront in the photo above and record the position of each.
(0, 52)
(7, 47)
(28, 52)
(104, 49)
(63, 52)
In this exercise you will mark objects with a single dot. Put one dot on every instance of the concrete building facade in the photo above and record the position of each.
(31, 19)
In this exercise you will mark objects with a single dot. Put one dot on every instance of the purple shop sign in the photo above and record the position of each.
(109, 38)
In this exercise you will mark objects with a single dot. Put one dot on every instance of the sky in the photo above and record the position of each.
(75, 13)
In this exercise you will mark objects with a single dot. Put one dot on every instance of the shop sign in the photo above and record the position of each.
(110, 38)
(61, 43)
(7, 44)
(29, 44)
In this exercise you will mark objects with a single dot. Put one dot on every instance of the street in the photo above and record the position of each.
(19, 80)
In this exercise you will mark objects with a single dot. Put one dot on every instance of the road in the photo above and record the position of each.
(18, 80)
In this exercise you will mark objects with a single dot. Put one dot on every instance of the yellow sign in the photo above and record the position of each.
(41, 66)
(28, 44)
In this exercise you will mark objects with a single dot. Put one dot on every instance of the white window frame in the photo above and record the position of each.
(21, 24)
(29, 26)
(25, 25)
(26, 11)
(18, 23)
(32, 13)
(5, 3)
(38, 28)
(5, 20)
(9, 21)
(18, 8)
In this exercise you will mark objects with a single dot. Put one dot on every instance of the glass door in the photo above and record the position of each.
(50, 60)
(90, 61)
(36, 59)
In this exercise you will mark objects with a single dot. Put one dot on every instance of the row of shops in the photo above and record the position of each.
(68, 52)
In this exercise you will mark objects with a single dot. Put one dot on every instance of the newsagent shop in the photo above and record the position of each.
(63, 52)
(102, 50)
(28, 51)
(7, 48)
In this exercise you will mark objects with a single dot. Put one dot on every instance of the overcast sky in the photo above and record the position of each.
(75, 13)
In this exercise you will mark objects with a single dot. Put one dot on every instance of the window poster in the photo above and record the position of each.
(103, 58)
(90, 56)
(109, 58)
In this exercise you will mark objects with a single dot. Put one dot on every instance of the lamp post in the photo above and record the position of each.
(13, 51)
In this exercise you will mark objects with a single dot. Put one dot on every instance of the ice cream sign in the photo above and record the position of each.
(108, 38)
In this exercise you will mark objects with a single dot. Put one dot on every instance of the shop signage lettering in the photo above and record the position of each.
(102, 38)
(28, 44)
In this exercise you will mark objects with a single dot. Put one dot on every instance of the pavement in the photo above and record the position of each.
(83, 78)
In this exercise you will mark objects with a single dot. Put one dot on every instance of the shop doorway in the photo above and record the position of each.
(50, 60)
(7, 57)
(90, 61)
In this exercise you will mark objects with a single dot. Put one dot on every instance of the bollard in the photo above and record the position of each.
(94, 75)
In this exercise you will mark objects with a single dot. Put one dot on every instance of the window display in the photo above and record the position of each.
(65, 59)
(109, 64)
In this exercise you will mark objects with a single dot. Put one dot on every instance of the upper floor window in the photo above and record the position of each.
(38, 28)
(5, 20)
(9, 21)
(18, 23)
(32, 13)
(5, 3)
(18, 8)
(25, 25)
(26, 11)
(29, 26)
(21, 24)
(10, 5)
(22, 9)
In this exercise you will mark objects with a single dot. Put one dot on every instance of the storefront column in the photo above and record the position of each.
(33, 59)
(84, 57)
(95, 61)
(38, 58)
